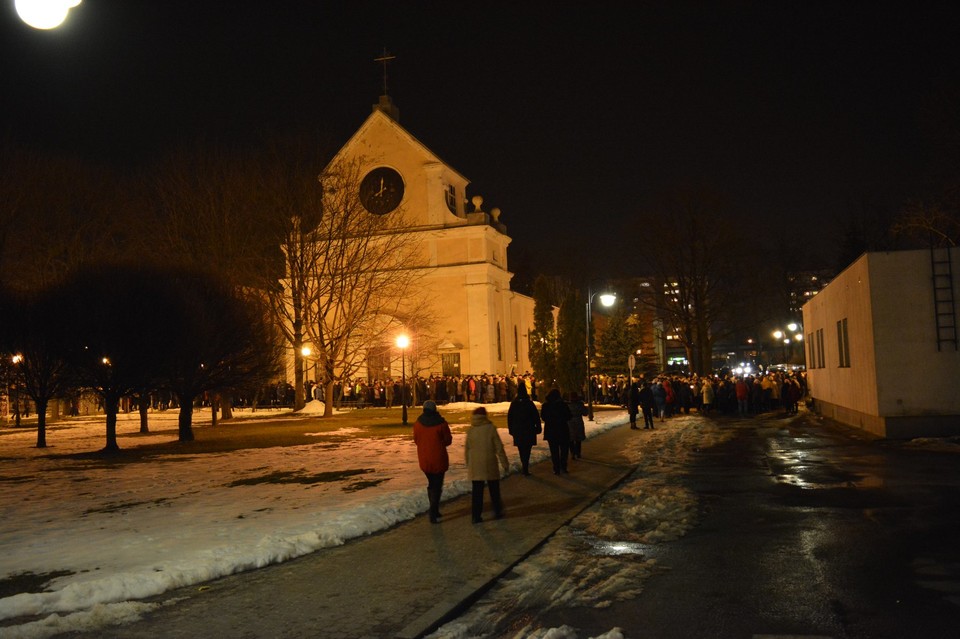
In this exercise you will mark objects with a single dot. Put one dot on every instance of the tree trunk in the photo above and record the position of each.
(706, 356)
(185, 419)
(143, 405)
(214, 406)
(41, 422)
(298, 401)
(328, 400)
(226, 407)
(111, 406)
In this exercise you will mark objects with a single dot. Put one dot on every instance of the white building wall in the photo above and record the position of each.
(913, 377)
(898, 384)
(848, 297)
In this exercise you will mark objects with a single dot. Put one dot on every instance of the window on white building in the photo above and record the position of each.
(843, 342)
(821, 362)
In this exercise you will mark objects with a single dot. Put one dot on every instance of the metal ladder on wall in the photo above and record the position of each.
(943, 302)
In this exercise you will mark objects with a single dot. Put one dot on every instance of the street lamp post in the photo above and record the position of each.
(607, 299)
(786, 341)
(402, 343)
(781, 337)
(15, 360)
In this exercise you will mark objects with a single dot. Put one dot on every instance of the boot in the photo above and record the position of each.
(434, 506)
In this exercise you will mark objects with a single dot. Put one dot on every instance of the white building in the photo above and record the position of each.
(881, 344)
(482, 325)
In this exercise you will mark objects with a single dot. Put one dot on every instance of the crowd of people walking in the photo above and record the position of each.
(442, 389)
(560, 421)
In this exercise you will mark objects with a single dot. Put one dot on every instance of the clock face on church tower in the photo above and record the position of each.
(381, 190)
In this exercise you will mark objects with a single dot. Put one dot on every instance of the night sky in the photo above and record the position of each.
(571, 118)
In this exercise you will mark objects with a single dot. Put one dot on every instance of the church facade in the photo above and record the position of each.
(481, 326)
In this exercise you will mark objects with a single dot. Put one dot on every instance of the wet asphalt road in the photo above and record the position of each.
(806, 529)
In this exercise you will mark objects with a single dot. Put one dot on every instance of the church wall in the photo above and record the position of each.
(463, 248)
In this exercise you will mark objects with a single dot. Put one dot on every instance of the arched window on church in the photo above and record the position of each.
(499, 345)
(450, 196)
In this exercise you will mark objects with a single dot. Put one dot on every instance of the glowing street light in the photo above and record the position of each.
(402, 343)
(44, 14)
(606, 299)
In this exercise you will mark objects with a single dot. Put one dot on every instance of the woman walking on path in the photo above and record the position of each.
(483, 450)
(578, 430)
(556, 417)
(431, 433)
(523, 423)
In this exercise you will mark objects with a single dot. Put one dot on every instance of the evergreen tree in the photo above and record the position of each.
(571, 344)
(619, 339)
(543, 339)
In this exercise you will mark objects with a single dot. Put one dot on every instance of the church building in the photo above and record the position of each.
(481, 325)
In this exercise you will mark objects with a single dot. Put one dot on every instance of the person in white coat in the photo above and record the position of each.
(483, 451)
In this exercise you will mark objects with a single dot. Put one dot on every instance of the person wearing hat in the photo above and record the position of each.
(432, 435)
(523, 423)
(483, 450)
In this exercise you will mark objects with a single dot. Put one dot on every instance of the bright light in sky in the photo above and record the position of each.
(44, 14)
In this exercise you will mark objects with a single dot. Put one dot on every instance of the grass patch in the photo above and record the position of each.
(28, 582)
(114, 508)
(365, 483)
(300, 477)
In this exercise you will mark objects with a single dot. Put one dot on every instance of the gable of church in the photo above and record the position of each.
(434, 193)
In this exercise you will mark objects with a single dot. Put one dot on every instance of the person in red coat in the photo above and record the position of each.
(431, 433)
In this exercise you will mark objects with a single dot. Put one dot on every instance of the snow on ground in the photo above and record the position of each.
(599, 558)
(100, 536)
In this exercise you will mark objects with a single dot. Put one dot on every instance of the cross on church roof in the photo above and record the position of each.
(384, 59)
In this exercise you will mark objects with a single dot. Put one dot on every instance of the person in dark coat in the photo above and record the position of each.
(660, 399)
(647, 405)
(432, 435)
(556, 417)
(523, 423)
(633, 404)
(578, 430)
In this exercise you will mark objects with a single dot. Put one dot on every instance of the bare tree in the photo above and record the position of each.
(212, 208)
(361, 275)
(35, 335)
(56, 212)
(218, 339)
(292, 199)
(932, 224)
(209, 206)
(693, 251)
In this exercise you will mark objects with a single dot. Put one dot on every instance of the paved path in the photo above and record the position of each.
(403, 582)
